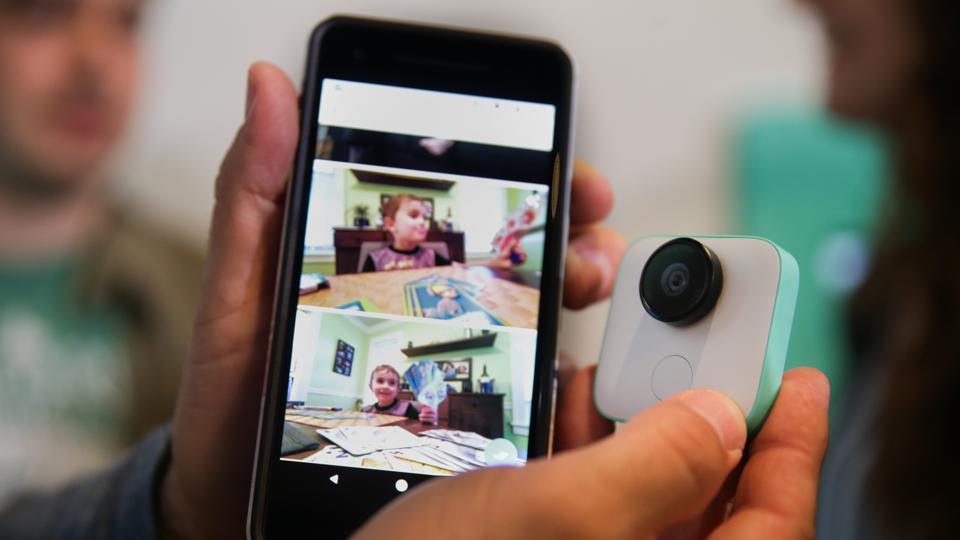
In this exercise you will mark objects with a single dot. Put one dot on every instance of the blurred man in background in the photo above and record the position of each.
(95, 307)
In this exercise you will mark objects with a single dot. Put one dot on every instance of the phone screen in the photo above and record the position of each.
(416, 327)
(416, 323)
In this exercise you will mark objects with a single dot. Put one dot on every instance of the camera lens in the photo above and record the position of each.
(675, 279)
(681, 282)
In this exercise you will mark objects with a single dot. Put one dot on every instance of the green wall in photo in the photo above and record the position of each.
(357, 193)
(325, 268)
(332, 328)
(520, 441)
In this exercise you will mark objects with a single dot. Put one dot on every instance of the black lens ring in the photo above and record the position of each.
(708, 298)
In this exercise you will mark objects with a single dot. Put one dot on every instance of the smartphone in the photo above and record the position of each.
(419, 280)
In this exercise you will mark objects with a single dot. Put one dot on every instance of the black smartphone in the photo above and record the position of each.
(420, 271)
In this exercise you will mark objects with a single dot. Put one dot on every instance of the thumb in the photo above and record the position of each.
(663, 468)
(233, 320)
(677, 456)
(249, 197)
(217, 406)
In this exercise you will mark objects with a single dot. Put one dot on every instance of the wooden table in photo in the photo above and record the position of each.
(513, 303)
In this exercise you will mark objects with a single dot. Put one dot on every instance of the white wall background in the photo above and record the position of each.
(661, 82)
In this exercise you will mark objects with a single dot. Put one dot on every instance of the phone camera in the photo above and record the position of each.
(681, 282)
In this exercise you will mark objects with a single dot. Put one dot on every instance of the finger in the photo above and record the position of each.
(249, 193)
(233, 316)
(577, 421)
(776, 497)
(591, 265)
(218, 401)
(590, 195)
(712, 516)
(676, 457)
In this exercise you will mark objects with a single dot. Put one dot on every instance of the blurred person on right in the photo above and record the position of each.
(891, 469)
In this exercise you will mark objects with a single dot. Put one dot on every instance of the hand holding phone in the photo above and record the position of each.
(215, 426)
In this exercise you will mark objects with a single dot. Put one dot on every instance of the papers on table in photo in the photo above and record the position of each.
(403, 465)
(461, 454)
(336, 415)
(429, 456)
(360, 440)
(398, 465)
(333, 455)
(436, 452)
(376, 460)
(312, 282)
(442, 455)
(464, 438)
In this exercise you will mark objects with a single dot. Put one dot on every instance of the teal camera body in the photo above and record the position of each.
(698, 312)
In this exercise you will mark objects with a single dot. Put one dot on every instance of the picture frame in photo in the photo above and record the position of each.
(343, 358)
(456, 386)
(460, 369)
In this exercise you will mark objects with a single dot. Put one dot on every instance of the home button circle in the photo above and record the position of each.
(673, 374)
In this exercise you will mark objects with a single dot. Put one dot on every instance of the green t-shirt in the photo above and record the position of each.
(62, 378)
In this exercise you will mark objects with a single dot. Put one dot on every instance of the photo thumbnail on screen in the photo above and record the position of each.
(407, 396)
(428, 204)
(457, 248)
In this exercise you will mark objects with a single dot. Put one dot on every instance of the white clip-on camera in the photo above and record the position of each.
(709, 311)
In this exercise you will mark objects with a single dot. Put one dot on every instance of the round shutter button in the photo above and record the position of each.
(673, 374)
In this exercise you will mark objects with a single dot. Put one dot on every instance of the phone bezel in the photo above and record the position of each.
(547, 76)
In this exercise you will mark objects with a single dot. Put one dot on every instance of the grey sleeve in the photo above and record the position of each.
(117, 503)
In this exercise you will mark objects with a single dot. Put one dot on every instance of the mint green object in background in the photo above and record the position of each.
(813, 186)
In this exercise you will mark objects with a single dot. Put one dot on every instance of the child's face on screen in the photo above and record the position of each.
(385, 386)
(410, 224)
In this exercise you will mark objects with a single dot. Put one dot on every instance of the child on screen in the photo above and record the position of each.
(407, 218)
(385, 384)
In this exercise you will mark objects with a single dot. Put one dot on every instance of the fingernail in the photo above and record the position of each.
(251, 93)
(601, 263)
(722, 413)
